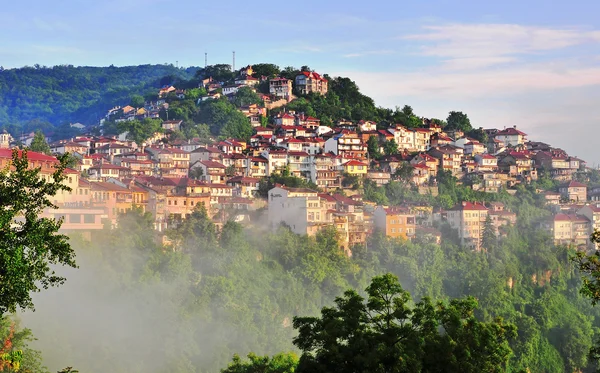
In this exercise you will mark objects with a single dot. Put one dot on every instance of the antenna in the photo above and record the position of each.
(233, 66)
(205, 59)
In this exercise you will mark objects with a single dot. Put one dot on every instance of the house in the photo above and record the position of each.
(284, 119)
(367, 125)
(396, 222)
(573, 191)
(244, 186)
(558, 163)
(569, 229)
(552, 198)
(231, 89)
(486, 162)
(299, 164)
(346, 144)
(213, 172)
(311, 82)
(113, 198)
(247, 80)
(257, 167)
(102, 171)
(172, 125)
(592, 213)
(354, 167)
(511, 136)
(468, 219)
(281, 87)
(298, 208)
(165, 90)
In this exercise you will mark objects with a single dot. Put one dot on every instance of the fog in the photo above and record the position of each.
(101, 320)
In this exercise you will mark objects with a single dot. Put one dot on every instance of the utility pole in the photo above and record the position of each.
(177, 64)
(205, 59)
(233, 66)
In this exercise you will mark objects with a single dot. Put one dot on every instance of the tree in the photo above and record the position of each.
(39, 143)
(390, 147)
(373, 147)
(140, 131)
(265, 69)
(280, 363)
(29, 243)
(404, 172)
(137, 101)
(245, 96)
(488, 236)
(224, 119)
(457, 120)
(383, 333)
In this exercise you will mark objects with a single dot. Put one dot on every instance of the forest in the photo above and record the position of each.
(37, 96)
(190, 304)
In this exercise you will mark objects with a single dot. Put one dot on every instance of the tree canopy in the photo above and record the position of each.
(29, 243)
(383, 333)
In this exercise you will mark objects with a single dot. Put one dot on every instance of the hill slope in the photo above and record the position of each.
(76, 94)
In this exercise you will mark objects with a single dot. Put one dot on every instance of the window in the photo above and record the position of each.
(393, 230)
(74, 218)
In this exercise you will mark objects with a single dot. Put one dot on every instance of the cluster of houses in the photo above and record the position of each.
(170, 178)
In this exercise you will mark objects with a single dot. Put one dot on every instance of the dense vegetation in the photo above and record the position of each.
(39, 96)
(191, 305)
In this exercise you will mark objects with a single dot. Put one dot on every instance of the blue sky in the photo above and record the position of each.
(534, 64)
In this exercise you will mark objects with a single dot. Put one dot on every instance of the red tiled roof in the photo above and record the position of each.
(31, 155)
(355, 163)
(510, 132)
(465, 205)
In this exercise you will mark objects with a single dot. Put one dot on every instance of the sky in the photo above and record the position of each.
(534, 64)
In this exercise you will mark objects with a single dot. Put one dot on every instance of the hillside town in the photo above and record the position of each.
(231, 177)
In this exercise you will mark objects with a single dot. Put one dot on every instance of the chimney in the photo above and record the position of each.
(515, 126)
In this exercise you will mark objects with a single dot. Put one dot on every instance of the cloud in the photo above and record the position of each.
(489, 44)
(368, 53)
(474, 84)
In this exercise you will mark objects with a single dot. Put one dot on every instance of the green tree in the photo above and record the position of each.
(224, 119)
(390, 147)
(245, 96)
(140, 131)
(265, 69)
(383, 333)
(458, 120)
(137, 101)
(373, 147)
(280, 363)
(404, 172)
(39, 143)
(30, 243)
(488, 237)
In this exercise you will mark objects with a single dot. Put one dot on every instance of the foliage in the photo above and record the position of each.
(140, 131)
(245, 96)
(15, 352)
(457, 120)
(373, 147)
(283, 177)
(280, 363)
(30, 243)
(224, 119)
(219, 72)
(383, 333)
(39, 143)
(71, 94)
